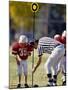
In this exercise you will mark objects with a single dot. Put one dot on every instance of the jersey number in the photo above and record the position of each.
(23, 52)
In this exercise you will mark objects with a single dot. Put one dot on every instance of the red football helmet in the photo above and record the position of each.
(57, 37)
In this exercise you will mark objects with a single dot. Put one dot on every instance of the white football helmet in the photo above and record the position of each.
(57, 37)
(23, 39)
(64, 34)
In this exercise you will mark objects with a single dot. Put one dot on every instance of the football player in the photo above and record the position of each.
(62, 63)
(22, 50)
(56, 50)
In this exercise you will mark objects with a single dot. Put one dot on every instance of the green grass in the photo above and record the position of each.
(40, 77)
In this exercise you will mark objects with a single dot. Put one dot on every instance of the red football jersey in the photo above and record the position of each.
(22, 50)
(63, 39)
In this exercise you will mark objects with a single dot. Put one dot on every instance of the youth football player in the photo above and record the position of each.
(22, 50)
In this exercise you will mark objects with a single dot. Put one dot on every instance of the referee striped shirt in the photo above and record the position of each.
(46, 45)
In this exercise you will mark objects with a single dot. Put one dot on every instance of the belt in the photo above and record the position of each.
(57, 45)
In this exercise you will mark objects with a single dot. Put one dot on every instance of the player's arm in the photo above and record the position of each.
(15, 53)
(18, 59)
(38, 63)
(29, 53)
(40, 58)
(14, 48)
(30, 49)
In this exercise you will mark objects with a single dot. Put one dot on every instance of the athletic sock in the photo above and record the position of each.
(54, 80)
(50, 80)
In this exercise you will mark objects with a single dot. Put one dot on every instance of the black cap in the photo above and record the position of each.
(36, 41)
(33, 42)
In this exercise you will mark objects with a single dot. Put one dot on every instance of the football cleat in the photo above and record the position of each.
(26, 85)
(35, 85)
(64, 83)
(19, 86)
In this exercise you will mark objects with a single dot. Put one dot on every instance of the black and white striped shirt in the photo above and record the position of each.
(46, 45)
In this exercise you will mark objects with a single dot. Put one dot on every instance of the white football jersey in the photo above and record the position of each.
(46, 45)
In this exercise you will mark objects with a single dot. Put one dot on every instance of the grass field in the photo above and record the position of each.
(40, 77)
